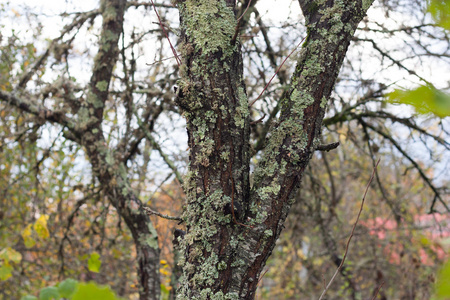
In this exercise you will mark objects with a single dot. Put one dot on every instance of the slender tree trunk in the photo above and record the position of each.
(232, 227)
(112, 175)
(108, 164)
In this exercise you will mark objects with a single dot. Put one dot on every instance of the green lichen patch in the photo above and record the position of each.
(206, 148)
(300, 101)
(366, 4)
(209, 24)
(204, 144)
(268, 192)
(206, 273)
(268, 233)
(94, 101)
(205, 216)
(242, 112)
(149, 240)
(109, 14)
(102, 86)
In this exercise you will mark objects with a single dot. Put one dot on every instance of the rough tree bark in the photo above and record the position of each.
(232, 225)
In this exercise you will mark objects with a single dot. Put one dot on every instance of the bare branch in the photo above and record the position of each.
(395, 61)
(351, 234)
(265, 88)
(165, 157)
(413, 162)
(36, 109)
(77, 22)
(105, 59)
(167, 36)
(327, 147)
(377, 291)
(150, 212)
(148, 4)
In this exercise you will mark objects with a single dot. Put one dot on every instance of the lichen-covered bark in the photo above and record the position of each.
(330, 25)
(212, 95)
(223, 258)
(108, 164)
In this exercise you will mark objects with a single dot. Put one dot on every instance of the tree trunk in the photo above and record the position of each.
(232, 227)
(108, 164)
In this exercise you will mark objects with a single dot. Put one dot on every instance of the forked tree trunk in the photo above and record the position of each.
(232, 227)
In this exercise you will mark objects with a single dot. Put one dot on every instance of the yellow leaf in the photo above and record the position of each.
(41, 227)
(26, 234)
(163, 262)
(164, 272)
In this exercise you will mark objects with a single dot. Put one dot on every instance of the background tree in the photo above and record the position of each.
(81, 115)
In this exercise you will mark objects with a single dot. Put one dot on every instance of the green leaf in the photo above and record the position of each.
(29, 297)
(5, 271)
(92, 291)
(49, 293)
(424, 99)
(67, 287)
(164, 290)
(439, 10)
(94, 262)
(443, 283)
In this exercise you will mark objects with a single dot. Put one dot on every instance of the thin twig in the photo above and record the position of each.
(150, 212)
(164, 59)
(378, 289)
(259, 280)
(78, 21)
(262, 276)
(167, 36)
(258, 121)
(265, 88)
(70, 219)
(159, 186)
(245, 11)
(238, 25)
(164, 156)
(413, 162)
(351, 234)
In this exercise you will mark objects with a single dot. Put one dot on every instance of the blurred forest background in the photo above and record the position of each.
(56, 222)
